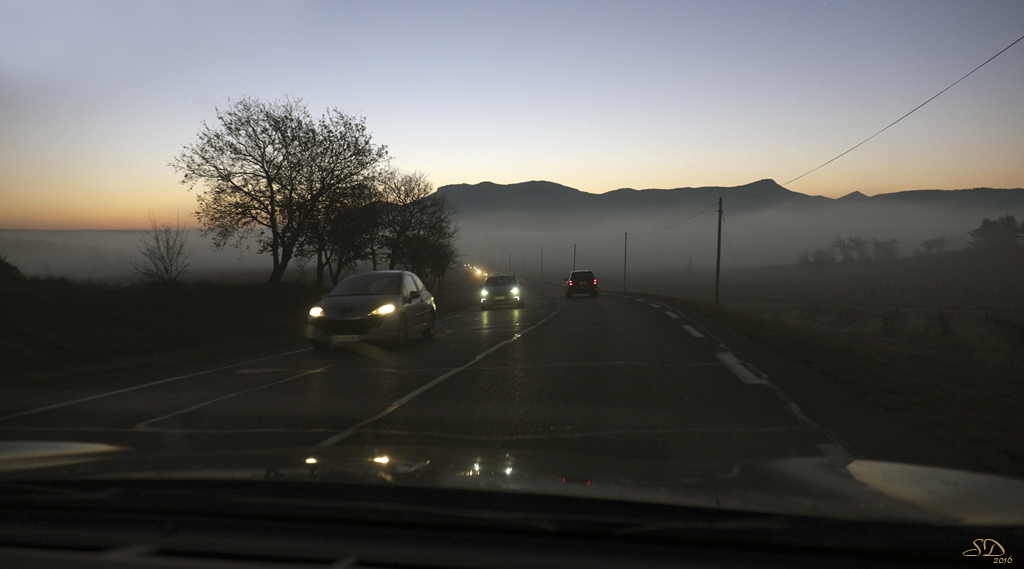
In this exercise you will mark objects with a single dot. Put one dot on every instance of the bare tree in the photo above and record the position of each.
(164, 258)
(267, 167)
(429, 250)
(821, 257)
(342, 170)
(935, 246)
(850, 248)
(398, 214)
(416, 229)
(884, 249)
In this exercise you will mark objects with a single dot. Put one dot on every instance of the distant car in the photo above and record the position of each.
(381, 305)
(501, 289)
(581, 282)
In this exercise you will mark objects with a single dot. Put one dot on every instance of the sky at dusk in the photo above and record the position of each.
(96, 98)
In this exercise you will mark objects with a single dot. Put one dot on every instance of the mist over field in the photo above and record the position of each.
(105, 256)
(503, 223)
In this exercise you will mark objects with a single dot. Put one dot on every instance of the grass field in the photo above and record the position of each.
(980, 280)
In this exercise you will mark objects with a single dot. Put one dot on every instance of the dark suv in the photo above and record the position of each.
(581, 282)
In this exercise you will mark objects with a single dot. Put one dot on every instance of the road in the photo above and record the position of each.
(613, 376)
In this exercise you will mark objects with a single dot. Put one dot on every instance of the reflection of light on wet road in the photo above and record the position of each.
(386, 357)
(485, 319)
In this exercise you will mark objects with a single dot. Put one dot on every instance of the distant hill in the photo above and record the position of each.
(541, 196)
(548, 196)
(765, 222)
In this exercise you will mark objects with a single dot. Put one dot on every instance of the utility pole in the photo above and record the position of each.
(718, 258)
(574, 256)
(625, 251)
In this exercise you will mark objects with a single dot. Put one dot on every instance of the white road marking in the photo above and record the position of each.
(576, 364)
(313, 430)
(746, 376)
(672, 314)
(693, 331)
(144, 385)
(398, 403)
(144, 425)
(737, 368)
(654, 305)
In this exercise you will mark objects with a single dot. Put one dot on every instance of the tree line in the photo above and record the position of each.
(1002, 232)
(317, 190)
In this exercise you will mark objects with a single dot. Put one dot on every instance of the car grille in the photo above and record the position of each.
(348, 327)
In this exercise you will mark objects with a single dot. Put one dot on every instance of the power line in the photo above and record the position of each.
(678, 222)
(887, 127)
(615, 238)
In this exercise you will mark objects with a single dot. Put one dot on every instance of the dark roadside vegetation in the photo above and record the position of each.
(57, 324)
(938, 341)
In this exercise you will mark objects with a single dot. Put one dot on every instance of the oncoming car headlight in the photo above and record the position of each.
(483, 292)
(316, 312)
(386, 309)
(515, 290)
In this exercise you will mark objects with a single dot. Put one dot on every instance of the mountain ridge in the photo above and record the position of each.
(545, 196)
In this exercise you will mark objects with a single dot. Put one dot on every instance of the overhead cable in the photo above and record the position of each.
(887, 127)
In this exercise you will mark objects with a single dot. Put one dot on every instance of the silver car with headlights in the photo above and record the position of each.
(381, 305)
(501, 290)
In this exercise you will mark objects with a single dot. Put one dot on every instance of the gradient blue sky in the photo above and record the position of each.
(97, 97)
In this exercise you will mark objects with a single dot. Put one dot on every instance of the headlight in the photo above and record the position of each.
(386, 309)
(316, 312)
(515, 290)
(483, 292)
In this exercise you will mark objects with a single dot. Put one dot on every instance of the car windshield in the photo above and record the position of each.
(751, 258)
(368, 284)
(500, 281)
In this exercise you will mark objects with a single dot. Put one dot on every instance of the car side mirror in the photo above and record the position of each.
(565, 280)
(414, 294)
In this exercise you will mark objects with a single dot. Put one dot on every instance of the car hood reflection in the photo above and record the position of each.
(861, 490)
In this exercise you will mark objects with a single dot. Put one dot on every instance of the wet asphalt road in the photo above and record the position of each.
(615, 376)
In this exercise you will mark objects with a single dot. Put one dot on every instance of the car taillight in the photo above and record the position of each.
(595, 281)
(570, 283)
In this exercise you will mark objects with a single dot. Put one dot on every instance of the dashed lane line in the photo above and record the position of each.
(145, 424)
(738, 369)
(142, 386)
(748, 377)
(693, 331)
